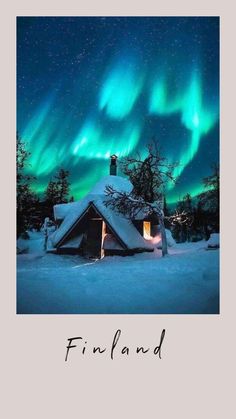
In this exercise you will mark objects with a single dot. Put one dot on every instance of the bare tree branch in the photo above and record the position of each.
(129, 205)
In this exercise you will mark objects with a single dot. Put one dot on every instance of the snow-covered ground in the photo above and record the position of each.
(184, 282)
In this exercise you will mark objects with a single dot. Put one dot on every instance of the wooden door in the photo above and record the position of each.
(94, 239)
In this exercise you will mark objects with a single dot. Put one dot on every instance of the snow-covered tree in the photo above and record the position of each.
(148, 176)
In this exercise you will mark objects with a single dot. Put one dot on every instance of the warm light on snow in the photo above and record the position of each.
(156, 239)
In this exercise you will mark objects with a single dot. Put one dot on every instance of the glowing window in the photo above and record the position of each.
(147, 229)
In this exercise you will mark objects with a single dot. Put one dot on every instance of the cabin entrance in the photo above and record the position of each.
(93, 240)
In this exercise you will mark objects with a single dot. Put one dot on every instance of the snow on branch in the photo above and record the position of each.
(130, 205)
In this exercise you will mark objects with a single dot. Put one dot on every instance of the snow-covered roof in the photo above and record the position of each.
(61, 210)
(117, 182)
(122, 226)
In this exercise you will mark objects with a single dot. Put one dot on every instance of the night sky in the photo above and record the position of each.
(90, 87)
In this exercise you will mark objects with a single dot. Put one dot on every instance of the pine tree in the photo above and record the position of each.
(51, 194)
(188, 208)
(210, 199)
(26, 199)
(201, 220)
(57, 191)
(187, 203)
(63, 185)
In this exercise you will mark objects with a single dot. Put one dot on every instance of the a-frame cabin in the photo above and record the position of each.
(90, 228)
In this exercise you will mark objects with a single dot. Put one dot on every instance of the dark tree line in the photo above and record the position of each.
(26, 198)
(31, 211)
(203, 214)
(149, 175)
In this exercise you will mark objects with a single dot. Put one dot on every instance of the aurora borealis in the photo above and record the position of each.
(88, 87)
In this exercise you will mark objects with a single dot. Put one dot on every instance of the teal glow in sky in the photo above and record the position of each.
(121, 89)
(91, 87)
(198, 118)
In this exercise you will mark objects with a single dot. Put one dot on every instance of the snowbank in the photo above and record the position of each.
(61, 210)
(184, 282)
(22, 246)
(35, 243)
(214, 241)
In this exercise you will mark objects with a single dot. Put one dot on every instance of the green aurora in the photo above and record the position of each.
(115, 99)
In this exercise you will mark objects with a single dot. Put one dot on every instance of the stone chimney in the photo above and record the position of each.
(113, 165)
